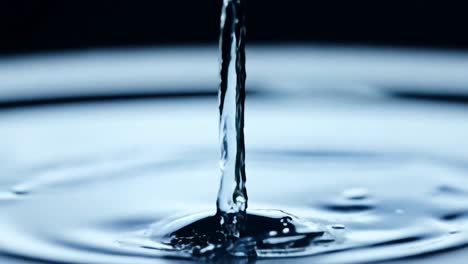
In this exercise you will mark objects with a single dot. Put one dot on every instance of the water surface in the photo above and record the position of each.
(392, 173)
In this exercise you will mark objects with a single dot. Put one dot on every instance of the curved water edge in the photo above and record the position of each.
(369, 222)
(387, 176)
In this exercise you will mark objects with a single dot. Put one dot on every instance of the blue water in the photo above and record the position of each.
(74, 195)
(385, 175)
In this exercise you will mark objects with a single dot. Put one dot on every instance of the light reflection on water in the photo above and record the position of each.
(83, 175)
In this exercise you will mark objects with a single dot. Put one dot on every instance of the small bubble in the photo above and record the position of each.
(356, 194)
(447, 189)
(286, 230)
(338, 226)
(20, 192)
(273, 233)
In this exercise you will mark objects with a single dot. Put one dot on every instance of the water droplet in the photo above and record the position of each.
(348, 206)
(338, 226)
(451, 190)
(19, 190)
(454, 215)
(356, 194)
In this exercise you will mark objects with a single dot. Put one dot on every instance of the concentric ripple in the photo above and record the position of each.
(97, 183)
(379, 207)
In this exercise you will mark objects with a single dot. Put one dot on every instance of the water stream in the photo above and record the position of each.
(333, 178)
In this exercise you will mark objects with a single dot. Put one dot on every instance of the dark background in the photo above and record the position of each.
(45, 25)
